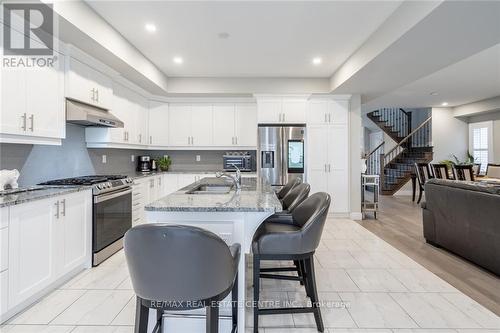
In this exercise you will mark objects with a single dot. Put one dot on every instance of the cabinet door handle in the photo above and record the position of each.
(23, 127)
(329, 168)
(63, 201)
(93, 94)
(330, 117)
(150, 139)
(57, 209)
(192, 140)
(325, 168)
(97, 94)
(283, 117)
(140, 138)
(32, 119)
(236, 138)
(124, 136)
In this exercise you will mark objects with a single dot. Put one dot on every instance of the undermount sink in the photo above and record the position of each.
(211, 189)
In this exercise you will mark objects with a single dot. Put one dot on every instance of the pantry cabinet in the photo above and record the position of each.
(235, 125)
(88, 85)
(328, 151)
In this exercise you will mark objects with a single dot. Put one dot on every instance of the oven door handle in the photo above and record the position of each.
(98, 199)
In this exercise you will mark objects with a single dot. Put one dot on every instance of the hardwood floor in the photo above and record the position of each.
(400, 224)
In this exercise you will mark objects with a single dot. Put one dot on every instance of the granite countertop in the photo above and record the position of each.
(137, 174)
(42, 192)
(255, 195)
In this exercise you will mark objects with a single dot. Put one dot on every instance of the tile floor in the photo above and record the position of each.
(364, 283)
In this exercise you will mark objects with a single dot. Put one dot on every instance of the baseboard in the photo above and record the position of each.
(403, 193)
(356, 216)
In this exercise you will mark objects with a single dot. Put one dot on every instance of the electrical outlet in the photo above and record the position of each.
(132, 158)
(198, 158)
(104, 159)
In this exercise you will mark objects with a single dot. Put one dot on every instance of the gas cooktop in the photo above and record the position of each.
(84, 180)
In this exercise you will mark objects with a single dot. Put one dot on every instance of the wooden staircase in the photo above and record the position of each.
(396, 166)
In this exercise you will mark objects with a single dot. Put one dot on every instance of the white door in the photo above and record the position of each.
(158, 123)
(294, 110)
(103, 91)
(170, 183)
(317, 157)
(45, 102)
(246, 125)
(142, 121)
(76, 221)
(317, 112)
(179, 125)
(339, 110)
(224, 122)
(13, 102)
(201, 125)
(338, 172)
(269, 110)
(31, 248)
(119, 108)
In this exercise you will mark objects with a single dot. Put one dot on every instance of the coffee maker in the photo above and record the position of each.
(144, 164)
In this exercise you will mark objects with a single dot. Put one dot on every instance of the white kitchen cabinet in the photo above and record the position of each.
(140, 197)
(158, 123)
(32, 243)
(47, 239)
(74, 230)
(190, 125)
(4, 248)
(87, 85)
(32, 104)
(328, 111)
(224, 124)
(246, 125)
(170, 183)
(235, 125)
(281, 109)
(4, 291)
(328, 151)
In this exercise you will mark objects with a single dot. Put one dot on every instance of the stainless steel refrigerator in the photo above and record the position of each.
(281, 155)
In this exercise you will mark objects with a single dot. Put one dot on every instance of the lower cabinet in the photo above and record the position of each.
(47, 239)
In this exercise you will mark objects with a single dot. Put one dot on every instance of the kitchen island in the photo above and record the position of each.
(214, 204)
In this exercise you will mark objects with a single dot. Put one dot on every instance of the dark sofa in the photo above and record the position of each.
(464, 218)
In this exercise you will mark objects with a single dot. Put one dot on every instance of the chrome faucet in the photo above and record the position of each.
(236, 178)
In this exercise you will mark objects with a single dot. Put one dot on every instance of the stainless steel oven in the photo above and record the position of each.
(112, 218)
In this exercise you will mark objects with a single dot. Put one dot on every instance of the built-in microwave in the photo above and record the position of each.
(242, 160)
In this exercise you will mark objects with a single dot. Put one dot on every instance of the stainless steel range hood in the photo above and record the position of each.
(88, 115)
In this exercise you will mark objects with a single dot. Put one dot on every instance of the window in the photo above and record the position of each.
(481, 143)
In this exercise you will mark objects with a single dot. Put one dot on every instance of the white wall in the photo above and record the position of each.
(450, 135)
(355, 147)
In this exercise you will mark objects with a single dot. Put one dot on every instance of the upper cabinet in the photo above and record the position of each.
(32, 104)
(158, 123)
(324, 111)
(190, 125)
(88, 85)
(235, 125)
(290, 109)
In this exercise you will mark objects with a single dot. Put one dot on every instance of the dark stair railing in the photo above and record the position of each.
(373, 160)
(396, 122)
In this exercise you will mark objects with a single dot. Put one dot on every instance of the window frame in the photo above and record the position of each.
(490, 149)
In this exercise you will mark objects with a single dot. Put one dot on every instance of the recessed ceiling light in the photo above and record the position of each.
(223, 35)
(317, 61)
(178, 60)
(434, 93)
(150, 27)
(444, 104)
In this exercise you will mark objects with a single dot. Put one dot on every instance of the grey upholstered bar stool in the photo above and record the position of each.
(288, 186)
(293, 241)
(175, 268)
(292, 200)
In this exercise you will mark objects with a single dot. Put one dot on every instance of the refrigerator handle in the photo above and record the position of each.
(284, 156)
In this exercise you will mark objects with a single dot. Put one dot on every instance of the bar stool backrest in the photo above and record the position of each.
(288, 187)
(177, 263)
(298, 194)
(311, 215)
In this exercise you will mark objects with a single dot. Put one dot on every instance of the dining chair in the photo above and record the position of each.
(493, 170)
(295, 241)
(441, 171)
(178, 268)
(424, 173)
(477, 168)
(464, 172)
